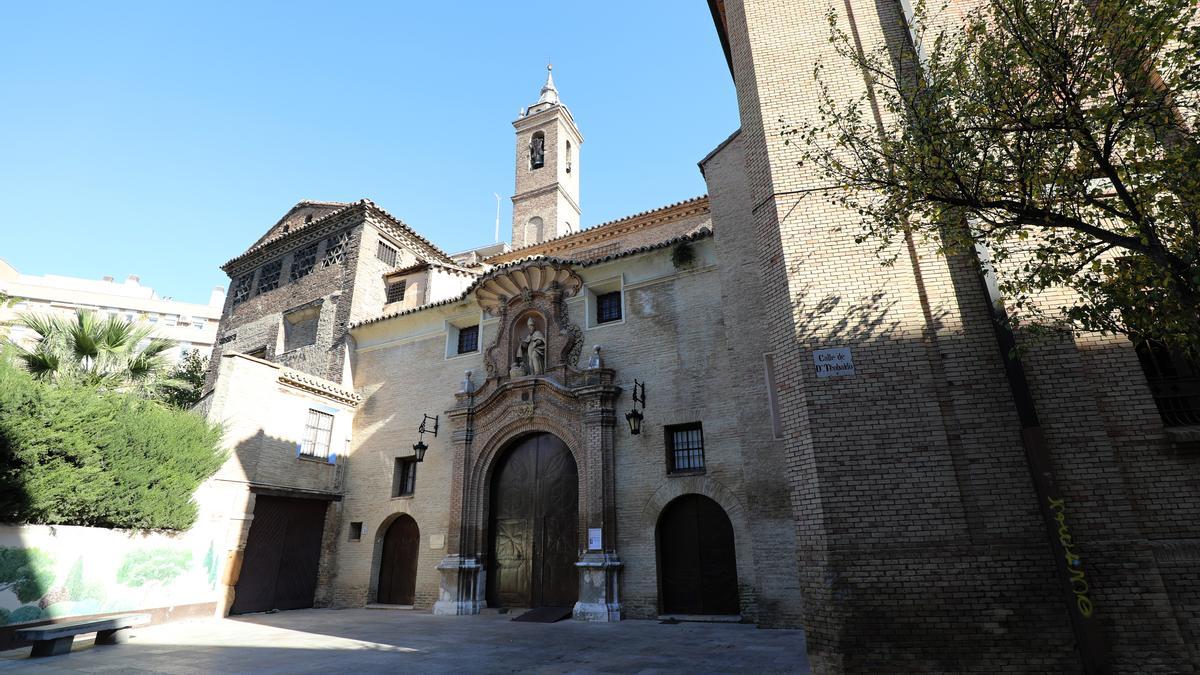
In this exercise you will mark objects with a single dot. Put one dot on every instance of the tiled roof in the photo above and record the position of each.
(319, 385)
(304, 381)
(599, 232)
(364, 205)
(695, 235)
(422, 264)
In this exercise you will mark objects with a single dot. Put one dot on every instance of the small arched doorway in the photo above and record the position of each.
(533, 526)
(696, 558)
(398, 562)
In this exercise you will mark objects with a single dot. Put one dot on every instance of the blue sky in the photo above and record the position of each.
(162, 138)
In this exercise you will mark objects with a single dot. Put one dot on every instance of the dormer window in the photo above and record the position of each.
(537, 150)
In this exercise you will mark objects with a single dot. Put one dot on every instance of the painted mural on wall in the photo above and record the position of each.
(50, 572)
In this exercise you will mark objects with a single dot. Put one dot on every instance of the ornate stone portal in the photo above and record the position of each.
(533, 385)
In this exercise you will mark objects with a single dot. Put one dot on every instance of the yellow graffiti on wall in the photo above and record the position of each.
(1078, 580)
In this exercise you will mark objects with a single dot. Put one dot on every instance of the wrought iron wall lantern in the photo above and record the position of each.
(420, 447)
(634, 417)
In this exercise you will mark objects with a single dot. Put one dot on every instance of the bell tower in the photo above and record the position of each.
(546, 203)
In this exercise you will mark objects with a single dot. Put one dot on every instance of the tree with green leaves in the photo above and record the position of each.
(80, 455)
(108, 353)
(1059, 135)
(186, 380)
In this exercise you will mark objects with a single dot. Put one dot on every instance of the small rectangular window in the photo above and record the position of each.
(395, 291)
(387, 254)
(468, 339)
(608, 307)
(318, 433)
(404, 478)
(303, 261)
(268, 279)
(356, 531)
(685, 448)
(335, 249)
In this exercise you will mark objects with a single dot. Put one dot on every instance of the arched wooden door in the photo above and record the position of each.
(697, 563)
(398, 563)
(533, 526)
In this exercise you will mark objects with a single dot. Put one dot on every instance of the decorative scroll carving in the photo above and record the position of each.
(535, 337)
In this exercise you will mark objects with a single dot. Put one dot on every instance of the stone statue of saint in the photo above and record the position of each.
(533, 350)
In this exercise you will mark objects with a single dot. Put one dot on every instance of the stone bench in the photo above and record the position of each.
(55, 639)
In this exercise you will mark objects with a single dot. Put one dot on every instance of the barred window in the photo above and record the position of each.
(335, 249)
(1174, 381)
(386, 253)
(685, 448)
(468, 339)
(318, 433)
(395, 291)
(404, 477)
(241, 288)
(303, 261)
(268, 279)
(608, 307)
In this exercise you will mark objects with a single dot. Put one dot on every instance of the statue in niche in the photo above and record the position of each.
(533, 350)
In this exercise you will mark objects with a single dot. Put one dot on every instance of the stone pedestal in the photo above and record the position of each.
(462, 589)
(598, 577)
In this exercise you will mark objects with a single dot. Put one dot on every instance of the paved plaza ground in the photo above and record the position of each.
(366, 640)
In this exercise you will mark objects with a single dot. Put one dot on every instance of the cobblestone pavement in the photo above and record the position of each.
(366, 640)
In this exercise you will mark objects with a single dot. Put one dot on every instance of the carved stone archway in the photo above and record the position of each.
(577, 406)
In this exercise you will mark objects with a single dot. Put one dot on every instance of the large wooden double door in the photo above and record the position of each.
(279, 567)
(534, 525)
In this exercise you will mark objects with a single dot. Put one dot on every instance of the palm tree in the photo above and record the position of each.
(110, 352)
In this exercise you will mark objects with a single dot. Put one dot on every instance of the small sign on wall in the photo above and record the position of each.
(834, 362)
(594, 539)
(437, 541)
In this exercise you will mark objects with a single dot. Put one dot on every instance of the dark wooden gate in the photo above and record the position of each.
(697, 564)
(279, 567)
(398, 563)
(534, 524)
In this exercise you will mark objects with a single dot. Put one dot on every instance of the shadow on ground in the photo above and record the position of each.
(363, 640)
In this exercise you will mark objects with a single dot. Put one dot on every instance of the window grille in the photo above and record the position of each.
(1175, 382)
(303, 261)
(468, 339)
(335, 249)
(387, 254)
(608, 307)
(685, 448)
(395, 291)
(268, 279)
(404, 478)
(241, 289)
(318, 433)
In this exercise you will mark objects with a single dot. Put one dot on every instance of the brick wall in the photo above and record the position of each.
(919, 543)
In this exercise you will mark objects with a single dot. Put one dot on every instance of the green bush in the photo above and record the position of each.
(78, 456)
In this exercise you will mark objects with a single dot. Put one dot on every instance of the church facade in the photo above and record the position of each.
(722, 408)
